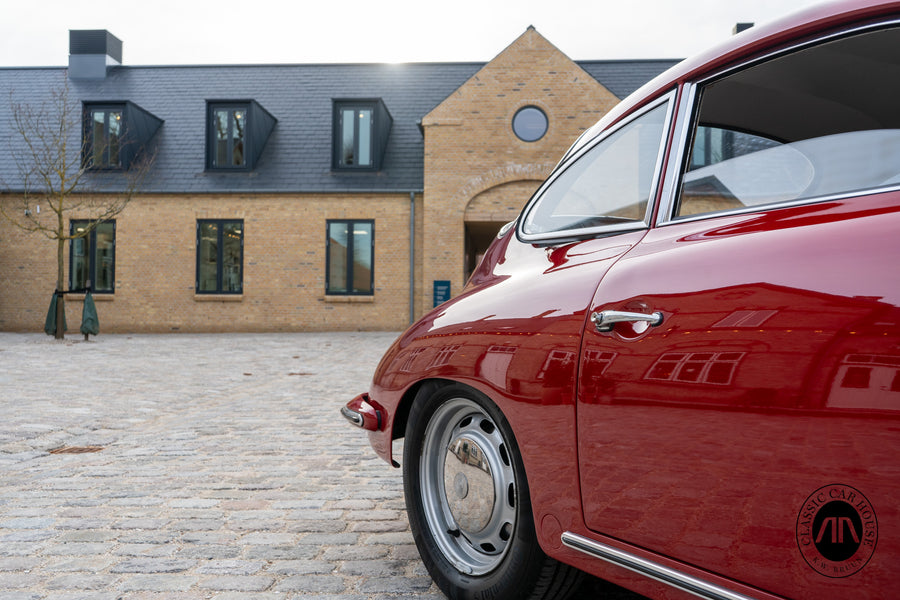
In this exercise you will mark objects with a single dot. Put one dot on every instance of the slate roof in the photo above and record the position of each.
(297, 156)
(622, 77)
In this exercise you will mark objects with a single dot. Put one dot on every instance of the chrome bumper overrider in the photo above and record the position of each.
(353, 416)
(363, 413)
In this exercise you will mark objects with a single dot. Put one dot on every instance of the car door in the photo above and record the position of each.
(739, 389)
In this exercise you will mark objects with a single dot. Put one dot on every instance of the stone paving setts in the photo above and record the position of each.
(224, 471)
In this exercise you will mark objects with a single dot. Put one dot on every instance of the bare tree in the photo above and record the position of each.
(54, 158)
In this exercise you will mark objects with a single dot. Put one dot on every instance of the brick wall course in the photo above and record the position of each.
(284, 267)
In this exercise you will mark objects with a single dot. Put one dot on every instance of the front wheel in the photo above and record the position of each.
(468, 502)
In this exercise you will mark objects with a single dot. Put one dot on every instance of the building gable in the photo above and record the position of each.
(471, 145)
(530, 71)
(471, 132)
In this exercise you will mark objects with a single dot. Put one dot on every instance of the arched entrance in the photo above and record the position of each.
(487, 212)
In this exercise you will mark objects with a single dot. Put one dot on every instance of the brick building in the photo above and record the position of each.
(295, 197)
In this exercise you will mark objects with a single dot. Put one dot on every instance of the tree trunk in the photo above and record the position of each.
(60, 317)
(60, 286)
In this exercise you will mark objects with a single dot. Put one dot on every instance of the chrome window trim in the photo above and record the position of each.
(680, 140)
(568, 234)
(650, 569)
(687, 111)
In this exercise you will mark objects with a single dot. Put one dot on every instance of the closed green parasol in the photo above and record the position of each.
(50, 323)
(90, 324)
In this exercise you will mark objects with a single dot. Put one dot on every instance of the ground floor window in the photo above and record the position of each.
(350, 257)
(92, 256)
(220, 256)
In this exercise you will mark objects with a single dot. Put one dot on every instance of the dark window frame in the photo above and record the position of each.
(89, 143)
(348, 276)
(355, 105)
(90, 238)
(379, 133)
(521, 126)
(211, 136)
(220, 249)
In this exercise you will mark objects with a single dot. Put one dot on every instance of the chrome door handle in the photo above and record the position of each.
(606, 319)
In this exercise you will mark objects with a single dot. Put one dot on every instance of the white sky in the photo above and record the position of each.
(163, 32)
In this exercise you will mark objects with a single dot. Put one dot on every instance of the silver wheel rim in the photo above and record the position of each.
(468, 487)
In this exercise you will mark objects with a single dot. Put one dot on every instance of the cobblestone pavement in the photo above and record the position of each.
(220, 468)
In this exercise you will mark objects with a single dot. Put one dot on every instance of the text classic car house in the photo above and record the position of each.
(294, 197)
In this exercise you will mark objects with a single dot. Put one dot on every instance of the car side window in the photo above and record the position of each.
(609, 184)
(816, 122)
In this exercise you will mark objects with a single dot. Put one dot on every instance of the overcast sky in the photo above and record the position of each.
(162, 32)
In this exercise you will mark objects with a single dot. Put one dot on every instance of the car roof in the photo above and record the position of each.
(745, 45)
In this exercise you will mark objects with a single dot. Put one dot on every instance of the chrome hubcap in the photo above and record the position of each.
(468, 486)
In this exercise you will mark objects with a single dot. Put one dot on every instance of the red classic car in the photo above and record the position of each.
(679, 368)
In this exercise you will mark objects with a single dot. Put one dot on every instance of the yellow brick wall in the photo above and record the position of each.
(284, 267)
(470, 147)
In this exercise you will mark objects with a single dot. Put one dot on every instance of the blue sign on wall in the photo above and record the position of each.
(441, 291)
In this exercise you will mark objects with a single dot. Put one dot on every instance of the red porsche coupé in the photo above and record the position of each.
(679, 368)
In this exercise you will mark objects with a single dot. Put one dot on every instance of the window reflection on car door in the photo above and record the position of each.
(701, 438)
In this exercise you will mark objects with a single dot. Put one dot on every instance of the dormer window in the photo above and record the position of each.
(115, 134)
(236, 135)
(228, 125)
(361, 129)
(106, 130)
(356, 137)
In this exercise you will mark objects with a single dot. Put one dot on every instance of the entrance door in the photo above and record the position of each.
(487, 212)
(479, 236)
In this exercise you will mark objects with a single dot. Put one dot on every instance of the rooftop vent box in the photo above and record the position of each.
(91, 51)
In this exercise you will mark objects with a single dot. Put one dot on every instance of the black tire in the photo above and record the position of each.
(468, 502)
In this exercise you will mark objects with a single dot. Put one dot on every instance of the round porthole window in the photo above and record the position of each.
(529, 123)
